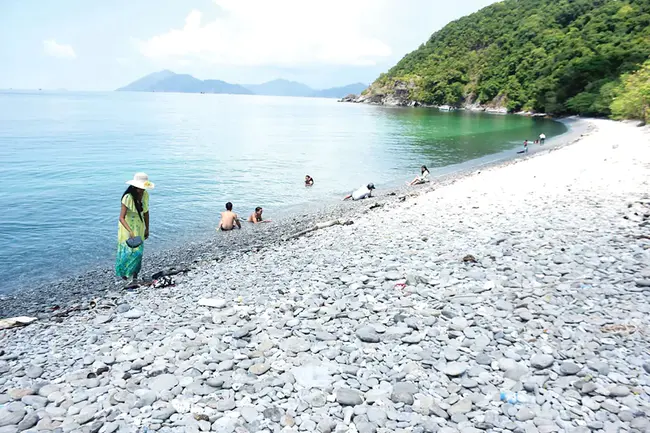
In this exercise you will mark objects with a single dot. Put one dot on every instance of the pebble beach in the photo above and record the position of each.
(514, 298)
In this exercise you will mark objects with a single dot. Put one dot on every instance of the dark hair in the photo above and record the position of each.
(228, 206)
(424, 168)
(257, 209)
(137, 199)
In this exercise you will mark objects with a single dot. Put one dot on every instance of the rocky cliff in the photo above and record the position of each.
(400, 93)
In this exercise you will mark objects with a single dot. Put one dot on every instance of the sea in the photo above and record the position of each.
(65, 158)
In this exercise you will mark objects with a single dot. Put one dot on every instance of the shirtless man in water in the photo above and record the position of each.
(256, 217)
(229, 219)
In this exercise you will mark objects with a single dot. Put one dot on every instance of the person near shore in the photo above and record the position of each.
(542, 138)
(133, 227)
(525, 146)
(256, 217)
(364, 191)
(309, 181)
(422, 178)
(229, 219)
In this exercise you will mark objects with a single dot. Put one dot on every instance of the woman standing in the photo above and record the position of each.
(133, 227)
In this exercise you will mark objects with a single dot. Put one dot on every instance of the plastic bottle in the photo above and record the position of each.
(514, 397)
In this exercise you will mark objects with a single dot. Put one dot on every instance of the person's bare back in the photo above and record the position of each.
(229, 219)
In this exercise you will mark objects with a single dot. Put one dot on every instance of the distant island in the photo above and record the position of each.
(544, 56)
(168, 81)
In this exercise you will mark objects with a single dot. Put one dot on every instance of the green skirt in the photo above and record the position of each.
(129, 260)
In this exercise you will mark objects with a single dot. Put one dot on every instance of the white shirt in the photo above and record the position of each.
(542, 136)
(362, 192)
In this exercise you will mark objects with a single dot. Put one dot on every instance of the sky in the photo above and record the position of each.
(93, 45)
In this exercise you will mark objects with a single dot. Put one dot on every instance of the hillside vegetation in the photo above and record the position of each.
(552, 56)
(633, 99)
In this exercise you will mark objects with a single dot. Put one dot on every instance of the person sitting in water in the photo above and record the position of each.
(229, 219)
(364, 191)
(256, 217)
(309, 181)
(422, 178)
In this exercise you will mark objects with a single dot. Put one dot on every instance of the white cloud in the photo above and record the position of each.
(54, 49)
(279, 32)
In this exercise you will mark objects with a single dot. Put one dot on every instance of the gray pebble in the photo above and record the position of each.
(348, 397)
(455, 369)
(569, 368)
(368, 334)
(541, 361)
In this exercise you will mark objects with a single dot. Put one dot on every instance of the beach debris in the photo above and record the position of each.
(169, 273)
(375, 206)
(13, 322)
(620, 329)
(165, 281)
(470, 259)
(63, 313)
(131, 286)
(319, 227)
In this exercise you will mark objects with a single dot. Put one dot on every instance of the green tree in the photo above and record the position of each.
(556, 56)
(633, 101)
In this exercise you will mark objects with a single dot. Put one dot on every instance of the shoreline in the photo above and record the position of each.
(510, 298)
(79, 289)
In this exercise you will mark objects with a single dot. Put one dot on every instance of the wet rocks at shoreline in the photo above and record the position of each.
(380, 326)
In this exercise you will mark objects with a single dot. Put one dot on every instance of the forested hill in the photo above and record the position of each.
(552, 56)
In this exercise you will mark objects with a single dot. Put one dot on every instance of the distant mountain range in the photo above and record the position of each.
(168, 81)
(281, 88)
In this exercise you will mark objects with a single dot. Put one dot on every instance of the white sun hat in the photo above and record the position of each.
(140, 180)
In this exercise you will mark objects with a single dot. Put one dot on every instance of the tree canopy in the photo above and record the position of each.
(633, 98)
(552, 56)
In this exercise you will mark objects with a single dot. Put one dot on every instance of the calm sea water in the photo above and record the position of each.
(64, 158)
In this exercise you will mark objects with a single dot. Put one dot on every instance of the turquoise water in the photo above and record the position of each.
(64, 158)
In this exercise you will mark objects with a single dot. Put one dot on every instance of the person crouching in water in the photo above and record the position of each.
(229, 219)
(256, 217)
(361, 193)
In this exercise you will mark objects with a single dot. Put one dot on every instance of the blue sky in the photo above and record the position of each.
(89, 45)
